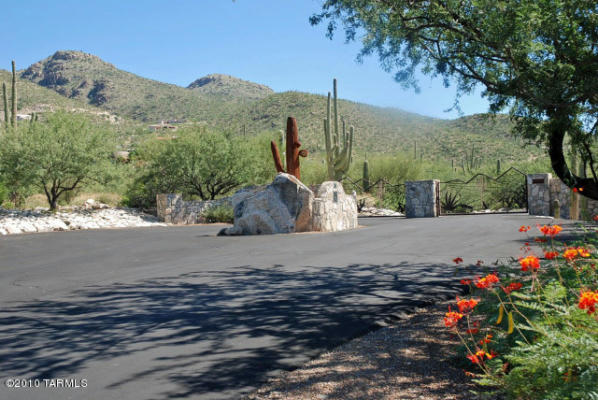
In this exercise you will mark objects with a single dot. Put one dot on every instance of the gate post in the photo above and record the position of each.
(538, 194)
(421, 199)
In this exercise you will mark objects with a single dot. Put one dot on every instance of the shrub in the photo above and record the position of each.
(3, 193)
(198, 163)
(219, 214)
(56, 156)
(534, 333)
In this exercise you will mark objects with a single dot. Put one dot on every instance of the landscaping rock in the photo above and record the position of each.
(333, 209)
(284, 206)
(16, 221)
(287, 205)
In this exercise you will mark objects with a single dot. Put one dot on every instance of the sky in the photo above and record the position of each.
(177, 41)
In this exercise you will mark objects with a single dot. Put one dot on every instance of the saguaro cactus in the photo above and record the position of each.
(5, 99)
(292, 150)
(14, 95)
(338, 148)
(366, 176)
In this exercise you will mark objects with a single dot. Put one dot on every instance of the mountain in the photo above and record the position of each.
(229, 87)
(243, 107)
(88, 78)
(35, 98)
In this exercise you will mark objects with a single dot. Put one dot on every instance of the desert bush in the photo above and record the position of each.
(198, 163)
(3, 193)
(530, 329)
(219, 214)
(56, 156)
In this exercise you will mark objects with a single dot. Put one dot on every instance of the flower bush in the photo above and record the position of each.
(530, 329)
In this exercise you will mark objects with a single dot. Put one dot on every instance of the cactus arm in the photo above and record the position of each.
(276, 156)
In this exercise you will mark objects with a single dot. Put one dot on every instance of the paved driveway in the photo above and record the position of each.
(160, 313)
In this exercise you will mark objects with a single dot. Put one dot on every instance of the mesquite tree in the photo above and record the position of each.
(537, 57)
(56, 156)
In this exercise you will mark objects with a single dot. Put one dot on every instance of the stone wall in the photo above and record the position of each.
(333, 210)
(544, 189)
(421, 199)
(172, 209)
(538, 194)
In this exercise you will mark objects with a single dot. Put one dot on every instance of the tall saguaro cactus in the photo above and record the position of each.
(5, 101)
(14, 95)
(338, 146)
(10, 114)
(366, 176)
(292, 150)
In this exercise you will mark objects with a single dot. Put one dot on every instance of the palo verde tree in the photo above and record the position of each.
(58, 155)
(199, 163)
(537, 57)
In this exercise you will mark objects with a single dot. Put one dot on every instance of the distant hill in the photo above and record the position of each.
(88, 78)
(239, 106)
(32, 97)
(229, 87)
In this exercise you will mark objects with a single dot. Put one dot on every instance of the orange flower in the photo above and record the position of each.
(583, 252)
(524, 228)
(487, 281)
(550, 230)
(452, 318)
(466, 306)
(478, 357)
(570, 254)
(512, 287)
(465, 281)
(588, 300)
(529, 262)
(595, 218)
(457, 260)
(551, 255)
(486, 340)
(575, 190)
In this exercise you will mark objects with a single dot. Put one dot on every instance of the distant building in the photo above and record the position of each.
(162, 127)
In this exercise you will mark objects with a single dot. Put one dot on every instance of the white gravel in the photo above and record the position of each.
(28, 221)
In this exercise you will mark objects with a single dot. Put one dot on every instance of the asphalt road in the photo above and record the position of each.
(177, 312)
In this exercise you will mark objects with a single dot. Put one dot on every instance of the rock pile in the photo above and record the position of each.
(379, 212)
(287, 205)
(94, 217)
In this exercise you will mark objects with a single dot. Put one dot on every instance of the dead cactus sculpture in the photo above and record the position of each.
(292, 150)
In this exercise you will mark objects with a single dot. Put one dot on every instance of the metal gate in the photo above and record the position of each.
(483, 194)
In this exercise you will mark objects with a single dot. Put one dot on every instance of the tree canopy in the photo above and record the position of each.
(56, 156)
(539, 58)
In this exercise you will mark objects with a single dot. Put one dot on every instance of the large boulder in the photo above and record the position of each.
(333, 209)
(284, 206)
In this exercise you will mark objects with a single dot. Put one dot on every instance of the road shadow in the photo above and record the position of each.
(225, 331)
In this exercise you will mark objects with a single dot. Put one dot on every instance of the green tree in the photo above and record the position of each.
(56, 156)
(537, 57)
(199, 163)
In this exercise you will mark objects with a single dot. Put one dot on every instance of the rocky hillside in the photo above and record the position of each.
(229, 87)
(87, 78)
(241, 107)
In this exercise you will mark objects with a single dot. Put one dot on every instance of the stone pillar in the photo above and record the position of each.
(421, 199)
(165, 205)
(538, 194)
